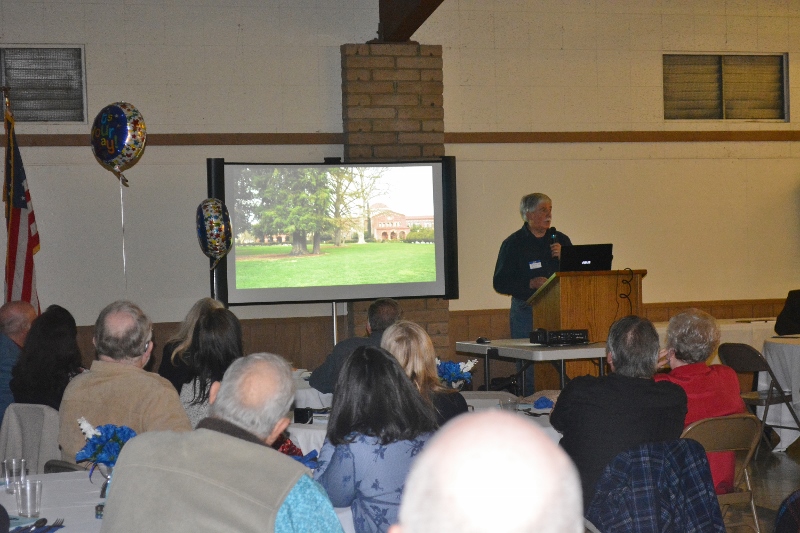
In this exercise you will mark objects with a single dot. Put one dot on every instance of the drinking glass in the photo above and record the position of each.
(509, 404)
(29, 498)
(14, 470)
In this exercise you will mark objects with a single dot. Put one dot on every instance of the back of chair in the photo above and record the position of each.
(738, 432)
(55, 466)
(743, 358)
(30, 432)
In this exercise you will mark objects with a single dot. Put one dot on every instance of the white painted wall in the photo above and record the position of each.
(575, 65)
(708, 221)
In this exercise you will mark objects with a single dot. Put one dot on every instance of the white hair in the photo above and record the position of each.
(490, 472)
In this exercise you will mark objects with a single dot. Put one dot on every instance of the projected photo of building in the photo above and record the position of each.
(388, 225)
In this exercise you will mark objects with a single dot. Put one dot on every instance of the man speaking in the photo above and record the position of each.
(527, 258)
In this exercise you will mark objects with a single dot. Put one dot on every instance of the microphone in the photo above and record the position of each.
(551, 232)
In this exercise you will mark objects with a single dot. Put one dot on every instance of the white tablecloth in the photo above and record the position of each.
(308, 437)
(542, 421)
(68, 495)
(307, 396)
(783, 355)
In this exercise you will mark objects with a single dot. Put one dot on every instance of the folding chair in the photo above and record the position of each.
(743, 358)
(30, 431)
(734, 433)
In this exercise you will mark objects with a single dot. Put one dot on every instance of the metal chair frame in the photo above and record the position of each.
(733, 433)
(743, 358)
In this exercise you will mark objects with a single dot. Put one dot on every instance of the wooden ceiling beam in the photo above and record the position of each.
(399, 19)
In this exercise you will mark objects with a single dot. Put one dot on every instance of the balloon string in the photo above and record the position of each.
(122, 212)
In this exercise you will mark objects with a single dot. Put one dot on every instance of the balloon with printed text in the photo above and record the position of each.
(118, 138)
(214, 229)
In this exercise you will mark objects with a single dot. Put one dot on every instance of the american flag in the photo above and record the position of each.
(23, 239)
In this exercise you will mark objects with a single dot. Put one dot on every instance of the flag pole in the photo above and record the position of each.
(23, 238)
(6, 92)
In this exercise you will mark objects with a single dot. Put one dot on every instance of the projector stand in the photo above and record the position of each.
(333, 309)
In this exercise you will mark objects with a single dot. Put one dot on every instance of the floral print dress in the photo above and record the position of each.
(368, 477)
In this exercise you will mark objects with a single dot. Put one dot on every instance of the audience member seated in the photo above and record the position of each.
(475, 475)
(378, 424)
(15, 321)
(692, 338)
(788, 322)
(223, 476)
(600, 417)
(173, 364)
(381, 314)
(216, 343)
(412, 347)
(50, 358)
(117, 389)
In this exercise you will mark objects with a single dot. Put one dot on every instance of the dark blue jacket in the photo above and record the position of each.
(522, 257)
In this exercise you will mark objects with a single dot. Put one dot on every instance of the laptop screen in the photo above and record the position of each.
(586, 257)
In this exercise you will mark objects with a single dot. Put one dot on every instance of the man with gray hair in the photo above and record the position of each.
(599, 417)
(223, 476)
(475, 476)
(117, 390)
(15, 321)
(526, 259)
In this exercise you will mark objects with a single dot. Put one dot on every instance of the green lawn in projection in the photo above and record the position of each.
(259, 267)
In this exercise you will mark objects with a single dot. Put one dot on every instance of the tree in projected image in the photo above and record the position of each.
(343, 201)
(368, 186)
(306, 201)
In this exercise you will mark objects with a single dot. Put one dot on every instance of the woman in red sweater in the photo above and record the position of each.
(711, 390)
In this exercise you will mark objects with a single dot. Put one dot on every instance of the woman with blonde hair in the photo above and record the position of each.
(174, 365)
(410, 344)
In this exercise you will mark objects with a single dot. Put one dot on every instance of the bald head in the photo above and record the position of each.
(122, 333)
(255, 394)
(488, 472)
(16, 319)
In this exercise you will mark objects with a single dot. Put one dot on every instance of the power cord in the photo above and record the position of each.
(627, 295)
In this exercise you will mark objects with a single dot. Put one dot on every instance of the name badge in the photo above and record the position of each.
(533, 265)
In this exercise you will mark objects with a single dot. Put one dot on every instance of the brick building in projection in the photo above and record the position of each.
(388, 225)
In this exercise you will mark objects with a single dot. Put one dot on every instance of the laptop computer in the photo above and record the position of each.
(586, 257)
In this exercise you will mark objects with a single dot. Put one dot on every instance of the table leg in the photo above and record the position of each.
(563, 373)
(491, 352)
(602, 367)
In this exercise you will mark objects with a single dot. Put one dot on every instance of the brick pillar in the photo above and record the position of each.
(392, 109)
(392, 101)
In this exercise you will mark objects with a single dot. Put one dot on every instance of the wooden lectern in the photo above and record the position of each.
(587, 300)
